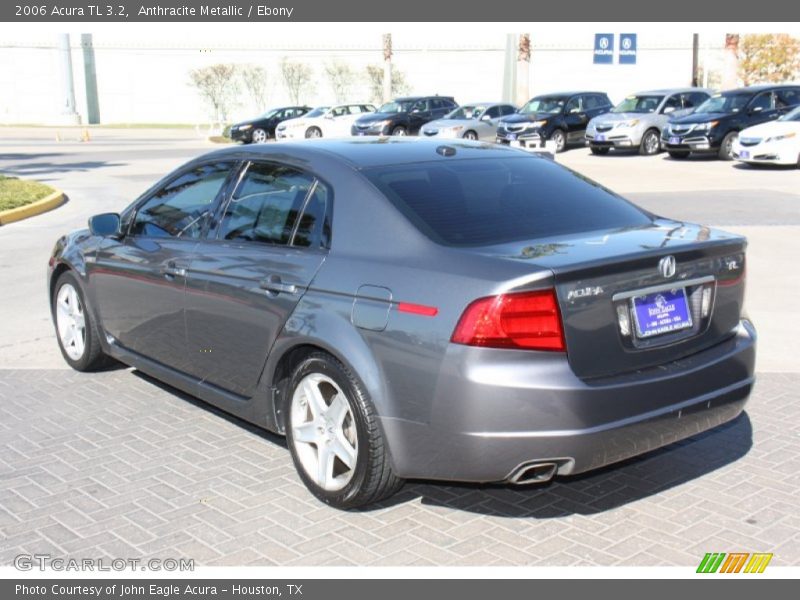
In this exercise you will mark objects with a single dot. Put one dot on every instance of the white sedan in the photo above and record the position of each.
(776, 142)
(323, 121)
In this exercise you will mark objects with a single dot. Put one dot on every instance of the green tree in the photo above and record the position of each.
(768, 58)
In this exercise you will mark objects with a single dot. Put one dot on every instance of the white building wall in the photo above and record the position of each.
(144, 79)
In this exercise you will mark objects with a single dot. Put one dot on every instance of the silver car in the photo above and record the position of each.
(637, 121)
(474, 121)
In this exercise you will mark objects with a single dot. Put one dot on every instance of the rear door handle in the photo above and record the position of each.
(274, 284)
(172, 270)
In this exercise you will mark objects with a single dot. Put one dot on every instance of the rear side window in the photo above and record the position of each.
(493, 201)
(314, 227)
(265, 205)
(785, 98)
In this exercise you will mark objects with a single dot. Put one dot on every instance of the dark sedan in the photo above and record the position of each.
(262, 128)
(414, 309)
(403, 116)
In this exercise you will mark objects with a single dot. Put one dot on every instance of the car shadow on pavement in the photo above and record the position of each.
(268, 436)
(586, 494)
(596, 491)
(37, 169)
(28, 155)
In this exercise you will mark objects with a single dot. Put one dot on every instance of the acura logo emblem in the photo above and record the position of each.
(666, 266)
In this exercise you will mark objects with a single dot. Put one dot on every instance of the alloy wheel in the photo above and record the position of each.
(324, 431)
(259, 136)
(559, 139)
(70, 321)
(651, 143)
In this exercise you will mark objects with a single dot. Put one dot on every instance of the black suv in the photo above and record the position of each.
(714, 125)
(404, 116)
(561, 117)
(260, 129)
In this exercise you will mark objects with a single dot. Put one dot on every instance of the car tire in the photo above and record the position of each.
(678, 154)
(259, 136)
(560, 138)
(650, 144)
(76, 330)
(726, 147)
(313, 132)
(327, 407)
(598, 151)
(399, 130)
(471, 135)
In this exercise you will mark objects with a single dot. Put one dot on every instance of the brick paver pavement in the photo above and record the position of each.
(115, 465)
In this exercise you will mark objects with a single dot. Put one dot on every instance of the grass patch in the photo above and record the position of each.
(19, 192)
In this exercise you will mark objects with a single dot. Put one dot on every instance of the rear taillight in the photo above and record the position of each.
(525, 320)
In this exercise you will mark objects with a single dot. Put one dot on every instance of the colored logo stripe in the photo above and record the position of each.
(734, 562)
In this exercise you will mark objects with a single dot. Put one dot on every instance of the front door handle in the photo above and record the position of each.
(273, 284)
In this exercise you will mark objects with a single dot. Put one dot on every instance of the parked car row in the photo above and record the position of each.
(682, 121)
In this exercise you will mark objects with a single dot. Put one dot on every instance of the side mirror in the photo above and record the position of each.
(669, 109)
(574, 111)
(756, 109)
(105, 224)
(416, 111)
(486, 118)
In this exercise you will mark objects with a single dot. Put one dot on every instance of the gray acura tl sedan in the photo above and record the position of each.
(405, 308)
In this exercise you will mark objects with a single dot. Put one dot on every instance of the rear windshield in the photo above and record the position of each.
(482, 202)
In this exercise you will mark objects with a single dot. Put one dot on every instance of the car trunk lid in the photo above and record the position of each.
(602, 278)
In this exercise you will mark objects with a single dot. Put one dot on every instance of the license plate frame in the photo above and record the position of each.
(674, 140)
(600, 138)
(661, 322)
(744, 154)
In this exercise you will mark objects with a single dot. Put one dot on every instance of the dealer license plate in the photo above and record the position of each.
(674, 140)
(661, 312)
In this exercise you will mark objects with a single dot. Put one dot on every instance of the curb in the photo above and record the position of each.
(47, 203)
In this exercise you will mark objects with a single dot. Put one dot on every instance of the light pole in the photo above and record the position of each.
(68, 115)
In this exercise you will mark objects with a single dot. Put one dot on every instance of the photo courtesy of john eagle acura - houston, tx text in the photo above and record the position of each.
(438, 309)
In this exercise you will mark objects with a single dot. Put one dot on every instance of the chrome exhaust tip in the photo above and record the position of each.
(533, 473)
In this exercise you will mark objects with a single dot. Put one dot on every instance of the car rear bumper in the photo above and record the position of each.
(497, 411)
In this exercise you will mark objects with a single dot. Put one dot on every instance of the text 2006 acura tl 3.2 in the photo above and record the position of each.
(406, 309)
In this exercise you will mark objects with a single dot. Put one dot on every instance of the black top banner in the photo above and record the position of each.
(405, 11)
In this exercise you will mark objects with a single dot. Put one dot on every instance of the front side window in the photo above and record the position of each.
(787, 97)
(180, 209)
(265, 205)
(574, 105)
(673, 102)
(719, 103)
(763, 101)
(544, 104)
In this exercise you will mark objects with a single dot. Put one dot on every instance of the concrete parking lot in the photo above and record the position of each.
(115, 464)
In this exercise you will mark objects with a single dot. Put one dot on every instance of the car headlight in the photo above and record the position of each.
(245, 127)
(706, 126)
(778, 138)
(541, 123)
(628, 124)
(383, 123)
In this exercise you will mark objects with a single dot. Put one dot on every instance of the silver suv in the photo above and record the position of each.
(637, 121)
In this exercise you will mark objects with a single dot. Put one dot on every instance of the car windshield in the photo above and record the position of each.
(396, 107)
(729, 103)
(488, 201)
(791, 116)
(549, 104)
(270, 113)
(638, 104)
(318, 112)
(466, 112)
